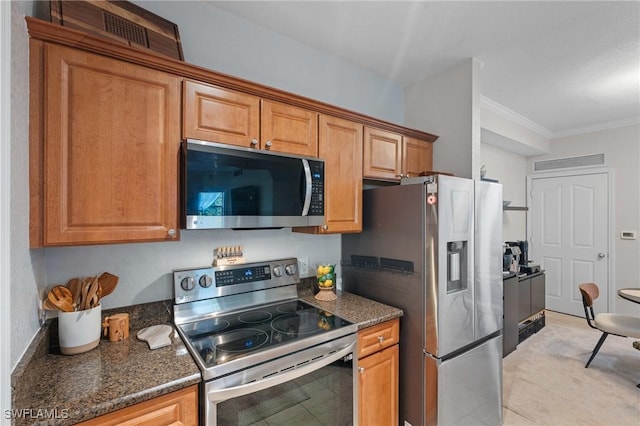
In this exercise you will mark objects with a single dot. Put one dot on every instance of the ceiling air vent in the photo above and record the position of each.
(116, 25)
(566, 163)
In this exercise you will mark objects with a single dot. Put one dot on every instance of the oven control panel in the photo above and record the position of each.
(209, 282)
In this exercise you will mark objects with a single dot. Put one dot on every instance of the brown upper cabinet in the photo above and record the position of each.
(391, 156)
(417, 156)
(220, 115)
(340, 146)
(106, 121)
(105, 139)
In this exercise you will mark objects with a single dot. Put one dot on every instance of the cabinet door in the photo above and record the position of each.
(417, 156)
(340, 145)
(537, 293)
(176, 408)
(111, 144)
(378, 386)
(285, 128)
(511, 316)
(524, 299)
(220, 115)
(382, 152)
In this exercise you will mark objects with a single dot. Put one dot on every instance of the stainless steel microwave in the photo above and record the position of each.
(243, 188)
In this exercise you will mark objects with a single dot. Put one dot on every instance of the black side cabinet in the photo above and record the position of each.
(531, 304)
(531, 295)
(511, 315)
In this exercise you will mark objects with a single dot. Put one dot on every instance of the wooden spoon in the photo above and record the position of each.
(61, 298)
(84, 289)
(92, 299)
(108, 283)
(75, 287)
(47, 305)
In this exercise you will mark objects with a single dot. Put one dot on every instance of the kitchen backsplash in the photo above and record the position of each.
(145, 269)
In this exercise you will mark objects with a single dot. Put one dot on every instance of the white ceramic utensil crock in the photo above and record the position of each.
(79, 331)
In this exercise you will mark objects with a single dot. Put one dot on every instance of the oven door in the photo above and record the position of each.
(313, 386)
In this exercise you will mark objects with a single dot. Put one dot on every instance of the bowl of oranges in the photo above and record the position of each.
(326, 277)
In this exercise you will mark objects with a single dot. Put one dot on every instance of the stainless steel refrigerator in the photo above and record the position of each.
(433, 247)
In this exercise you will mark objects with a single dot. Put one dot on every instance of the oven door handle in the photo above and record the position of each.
(219, 395)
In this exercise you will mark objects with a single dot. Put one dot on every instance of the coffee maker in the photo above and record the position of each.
(522, 257)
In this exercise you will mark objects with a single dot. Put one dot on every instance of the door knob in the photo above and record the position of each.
(601, 255)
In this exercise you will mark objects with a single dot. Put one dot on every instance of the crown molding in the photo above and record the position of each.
(597, 127)
(495, 107)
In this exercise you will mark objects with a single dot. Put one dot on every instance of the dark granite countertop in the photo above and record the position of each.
(357, 309)
(49, 388)
(116, 375)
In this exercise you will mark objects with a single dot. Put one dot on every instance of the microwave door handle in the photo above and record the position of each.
(307, 186)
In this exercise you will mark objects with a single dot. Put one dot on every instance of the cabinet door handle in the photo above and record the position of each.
(325, 227)
(254, 142)
(268, 144)
(361, 370)
(380, 339)
(171, 232)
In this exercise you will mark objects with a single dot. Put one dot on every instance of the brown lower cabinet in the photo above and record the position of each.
(378, 366)
(176, 408)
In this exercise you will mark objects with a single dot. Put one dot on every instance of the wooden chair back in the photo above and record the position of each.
(590, 293)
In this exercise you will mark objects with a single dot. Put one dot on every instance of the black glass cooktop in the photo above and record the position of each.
(225, 338)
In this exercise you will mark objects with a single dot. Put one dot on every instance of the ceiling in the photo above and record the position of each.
(566, 67)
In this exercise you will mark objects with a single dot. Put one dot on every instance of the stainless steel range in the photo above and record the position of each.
(265, 354)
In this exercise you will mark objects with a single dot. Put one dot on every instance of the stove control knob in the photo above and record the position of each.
(187, 283)
(277, 271)
(291, 269)
(205, 281)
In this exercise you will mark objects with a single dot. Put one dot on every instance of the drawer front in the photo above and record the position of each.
(378, 337)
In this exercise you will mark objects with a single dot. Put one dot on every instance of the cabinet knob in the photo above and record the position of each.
(171, 232)
(268, 144)
(254, 142)
(361, 370)
(325, 227)
(380, 339)
(401, 175)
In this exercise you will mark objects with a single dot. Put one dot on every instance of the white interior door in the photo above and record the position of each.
(569, 237)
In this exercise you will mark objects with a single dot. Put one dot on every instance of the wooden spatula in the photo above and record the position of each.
(108, 283)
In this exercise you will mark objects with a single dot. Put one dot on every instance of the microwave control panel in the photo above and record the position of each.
(317, 189)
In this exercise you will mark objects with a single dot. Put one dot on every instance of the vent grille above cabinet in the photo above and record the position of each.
(125, 29)
(565, 163)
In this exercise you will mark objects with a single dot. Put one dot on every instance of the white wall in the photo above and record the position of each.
(216, 40)
(448, 105)
(27, 267)
(621, 148)
(510, 170)
(5, 213)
